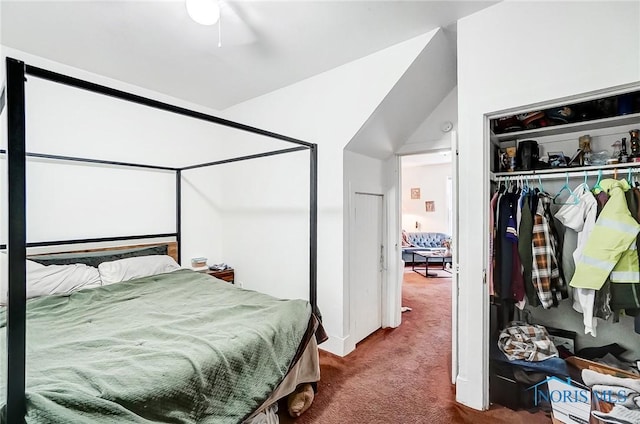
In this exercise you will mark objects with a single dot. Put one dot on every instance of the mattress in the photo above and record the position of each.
(181, 347)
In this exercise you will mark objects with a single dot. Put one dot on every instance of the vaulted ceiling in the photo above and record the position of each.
(266, 45)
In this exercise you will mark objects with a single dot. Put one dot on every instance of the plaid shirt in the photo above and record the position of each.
(545, 273)
(527, 342)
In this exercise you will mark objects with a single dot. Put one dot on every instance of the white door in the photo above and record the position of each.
(366, 264)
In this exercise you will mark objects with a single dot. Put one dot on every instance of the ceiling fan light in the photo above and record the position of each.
(204, 12)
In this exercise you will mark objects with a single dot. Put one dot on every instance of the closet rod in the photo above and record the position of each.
(621, 172)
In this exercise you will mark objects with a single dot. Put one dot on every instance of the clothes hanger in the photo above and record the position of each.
(506, 185)
(540, 183)
(585, 181)
(596, 188)
(513, 187)
(572, 199)
(583, 187)
(523, 185)
(501, 187)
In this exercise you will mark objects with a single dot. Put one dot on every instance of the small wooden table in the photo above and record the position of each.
(435, 255)
(227, 275)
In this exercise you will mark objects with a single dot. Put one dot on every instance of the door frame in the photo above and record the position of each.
(354, 189)
(422, 148)
(455, 268)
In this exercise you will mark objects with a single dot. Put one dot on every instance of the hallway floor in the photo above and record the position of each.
(402, 375)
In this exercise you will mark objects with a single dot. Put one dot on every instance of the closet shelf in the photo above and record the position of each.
(631, 119)
(576, 171)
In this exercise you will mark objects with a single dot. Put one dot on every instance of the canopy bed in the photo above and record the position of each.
(176, 332)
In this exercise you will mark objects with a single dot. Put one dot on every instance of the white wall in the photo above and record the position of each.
(415, 95)
(506, 59)
(263, 209)
(202, 225)
(329, 109)
(112, 201)
(432, 182)
(70, 121)
(362, 173)
(67, 201)
(2, 69)
(76, 201)
(430, 131)
(429, 135)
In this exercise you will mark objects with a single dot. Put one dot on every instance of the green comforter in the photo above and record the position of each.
(173, 348)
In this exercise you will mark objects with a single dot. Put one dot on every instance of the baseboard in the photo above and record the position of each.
(340, 346)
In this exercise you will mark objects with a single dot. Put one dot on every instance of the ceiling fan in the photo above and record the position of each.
(224, 15)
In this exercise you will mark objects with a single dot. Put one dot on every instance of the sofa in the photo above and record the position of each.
(421, 241)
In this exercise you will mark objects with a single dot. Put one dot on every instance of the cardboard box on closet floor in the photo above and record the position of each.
(596, 404)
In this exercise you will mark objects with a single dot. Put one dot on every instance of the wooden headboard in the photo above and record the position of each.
(172, 250)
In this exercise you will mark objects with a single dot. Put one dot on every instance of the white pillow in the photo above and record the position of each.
(53, 279)
(136, 267)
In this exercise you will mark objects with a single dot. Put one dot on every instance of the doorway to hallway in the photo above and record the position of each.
(429, 220)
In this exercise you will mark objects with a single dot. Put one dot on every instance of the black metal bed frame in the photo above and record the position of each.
(17, 243)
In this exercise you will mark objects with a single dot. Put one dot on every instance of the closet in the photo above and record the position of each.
(555, 158)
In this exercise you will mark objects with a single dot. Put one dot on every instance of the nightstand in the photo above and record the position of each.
(226, 275)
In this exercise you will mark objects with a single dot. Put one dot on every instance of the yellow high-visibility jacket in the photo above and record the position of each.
(609, 247)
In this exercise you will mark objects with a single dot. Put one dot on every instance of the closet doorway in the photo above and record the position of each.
(367, 263)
